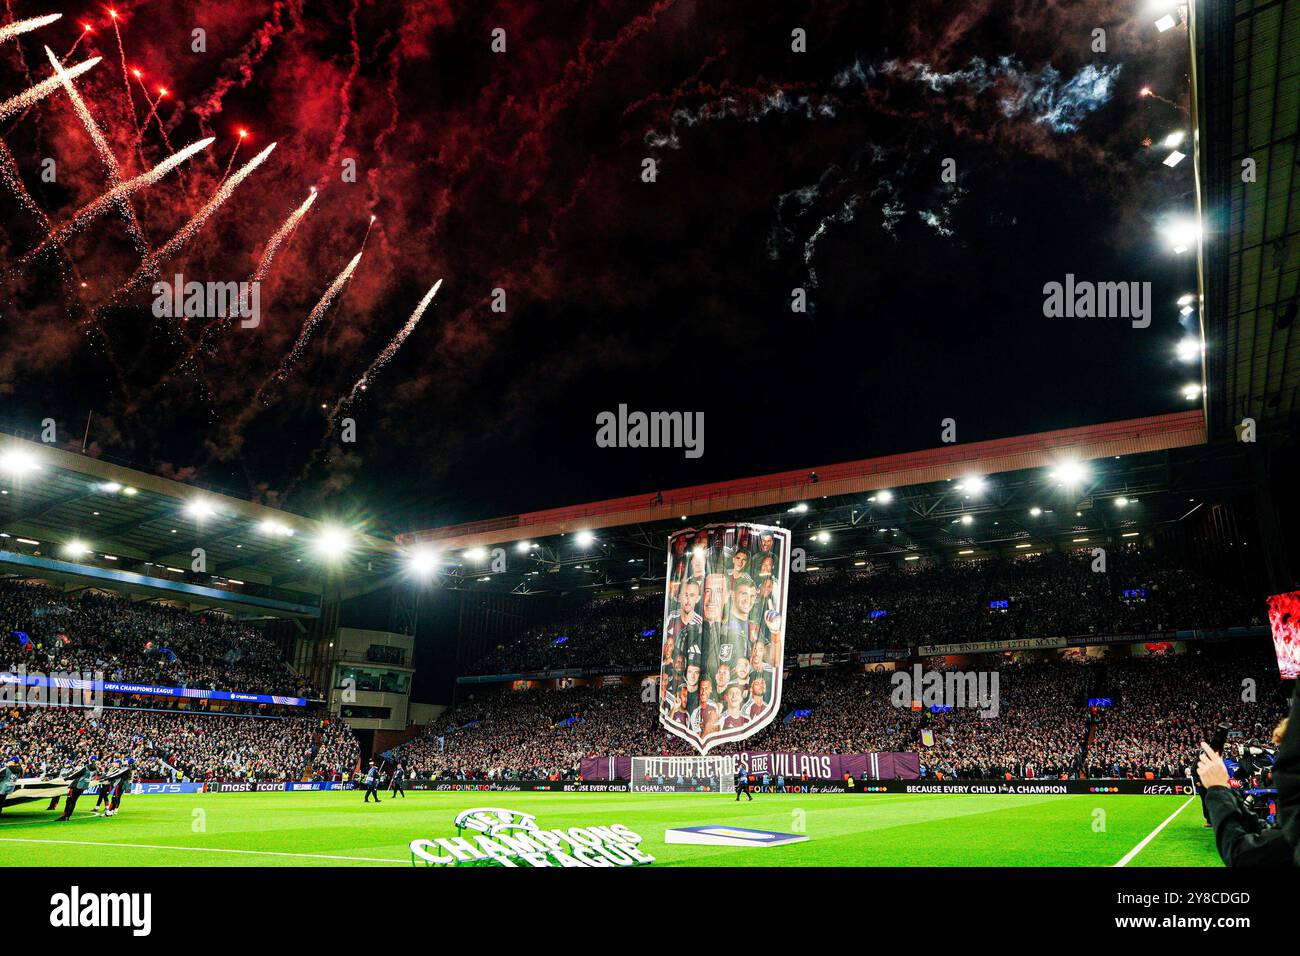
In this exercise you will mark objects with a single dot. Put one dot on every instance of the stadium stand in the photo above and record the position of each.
(168, 746)
(140, 642)
(1044, 727)
(1047, 595)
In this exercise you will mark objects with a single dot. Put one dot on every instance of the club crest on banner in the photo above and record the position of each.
(724, 622)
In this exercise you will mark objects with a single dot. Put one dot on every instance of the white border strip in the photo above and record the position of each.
(208, 849)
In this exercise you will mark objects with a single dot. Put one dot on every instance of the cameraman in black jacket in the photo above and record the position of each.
(1286, 777)
(1242, 839)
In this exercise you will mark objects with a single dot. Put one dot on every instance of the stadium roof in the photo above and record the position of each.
(1247, 87)
(89, 522)
(1070, 488)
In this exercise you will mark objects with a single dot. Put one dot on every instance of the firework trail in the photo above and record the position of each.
(104, 203)
(11, 30)
(149, 266)
(380, 361)
(209, 332)
(101, 146)
(12, 178)
(233, 153)
(281, 234)
(313, 319)
(126, 82)
(85, 29)
(386, 355)
(153, 113)
(43, 89)
(1148, 92)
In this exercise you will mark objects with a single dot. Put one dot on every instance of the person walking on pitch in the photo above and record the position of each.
(742, 786)
(80, 780)
(9, 775)
(372, 783)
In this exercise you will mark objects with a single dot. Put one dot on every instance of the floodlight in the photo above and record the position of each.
(200, 509)
(1189, 349)
(17, 462)
(1181, 234)
(1070, 473)
(423, 561)
(332, 542)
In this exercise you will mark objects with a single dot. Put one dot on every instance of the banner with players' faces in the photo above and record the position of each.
(724, 619)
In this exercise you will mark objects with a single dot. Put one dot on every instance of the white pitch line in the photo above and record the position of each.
(1152, 835)
(207, 849)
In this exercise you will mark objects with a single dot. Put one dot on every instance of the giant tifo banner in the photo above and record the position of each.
(724, 601)
(792, 766)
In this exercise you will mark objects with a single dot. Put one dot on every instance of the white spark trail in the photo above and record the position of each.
(313, 319)
(93, 210)
(43, 89)
(387, 354)
(101, 146)
(273, 246)
(9, 31)
(186, 232)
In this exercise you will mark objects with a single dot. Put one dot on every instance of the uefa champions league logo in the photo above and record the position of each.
(492, 821)
(500, 837)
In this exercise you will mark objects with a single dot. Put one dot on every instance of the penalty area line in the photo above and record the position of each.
(1152, 835)
(207, 849)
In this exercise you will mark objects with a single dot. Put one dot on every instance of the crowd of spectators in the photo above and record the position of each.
(1163, 705)
(1166, 706)
(174, 746)
(1046, 595)
(607, 630)
(45, 629)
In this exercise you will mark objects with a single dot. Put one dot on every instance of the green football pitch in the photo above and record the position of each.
(337, 829)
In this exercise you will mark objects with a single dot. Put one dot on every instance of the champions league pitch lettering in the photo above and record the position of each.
(512, 839)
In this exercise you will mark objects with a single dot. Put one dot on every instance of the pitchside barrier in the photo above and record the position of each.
(683, 775)
(32, 790)
(992, 787)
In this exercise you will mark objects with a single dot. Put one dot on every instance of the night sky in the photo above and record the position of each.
(522, 170)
